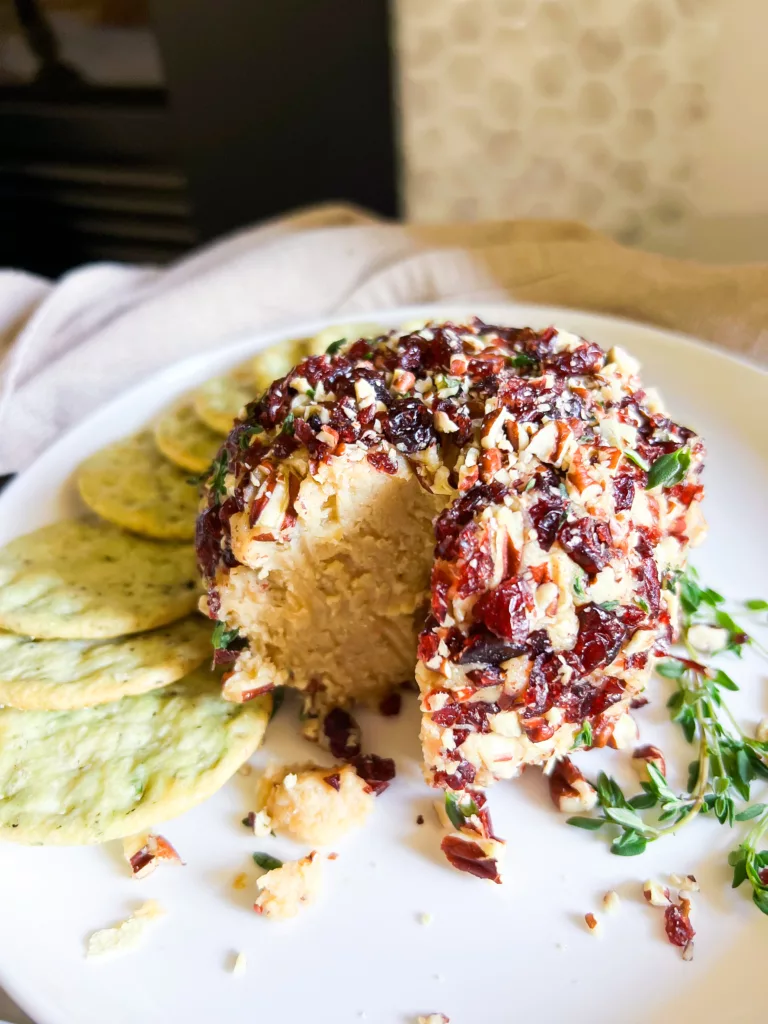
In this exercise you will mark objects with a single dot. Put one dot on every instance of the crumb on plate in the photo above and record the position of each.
(285, 890)
(127, 935)
(312, 804)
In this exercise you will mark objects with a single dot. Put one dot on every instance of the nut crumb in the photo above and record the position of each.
(434, 1018)
(420, 820)
(240, 881)
(657, 895)
(611, 901)
(689, 884)
(290, 780)
(244, 769)
(333, 856)
(240, 965)
(592, 924)
(688, 951)
(425, 919)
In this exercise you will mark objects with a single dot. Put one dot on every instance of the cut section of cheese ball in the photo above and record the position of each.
(563, 499)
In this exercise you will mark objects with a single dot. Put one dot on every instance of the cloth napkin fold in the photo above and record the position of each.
(68, 346)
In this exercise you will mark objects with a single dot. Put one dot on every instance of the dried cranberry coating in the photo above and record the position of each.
(462, 777)
(342, 733)
(547, 516)
(504, 610)
(467, 855)
(588, 542)
(584, 360)
(334, 781)
(382, 462)
(486, 649)
(376, 772)
(451, 521)
(623, 493)
(601, 634)
(409, 426)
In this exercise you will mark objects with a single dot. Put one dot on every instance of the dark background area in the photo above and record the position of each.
(219, 114)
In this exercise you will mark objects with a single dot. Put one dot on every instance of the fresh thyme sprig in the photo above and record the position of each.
(728, 760)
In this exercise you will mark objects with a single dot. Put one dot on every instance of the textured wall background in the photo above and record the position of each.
(591, 109)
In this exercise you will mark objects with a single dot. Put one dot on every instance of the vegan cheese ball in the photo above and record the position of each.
(506, 508)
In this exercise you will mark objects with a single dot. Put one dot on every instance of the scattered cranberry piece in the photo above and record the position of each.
(420, 819)
(467, 855)
(547, 517)
(334, 781)
(623, 493)
(677, 925)
(376, 772)
(343, 733)
(390, 705)
(382, 462)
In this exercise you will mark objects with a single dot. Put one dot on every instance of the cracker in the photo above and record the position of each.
(276, 361)
(86, 776)
(58, 675)
(219, 402)
(129, 483)
(81, 580)
(186, 440)
(344, 332)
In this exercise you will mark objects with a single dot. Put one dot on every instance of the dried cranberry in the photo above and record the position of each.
(428, 644)
(208, 534)
(347, 429)
(472, 714)
(482, 677)
(547, 516)
(410, 352)
(586, 359)
(409, 426)
(450, 522)
(611, 693)
(445, 343)
(382, 462)
(504, 610)
(475, 563)
(651, 586)
(539, 642)
(623, 493)
(677, 925)
(601, 634)
(334, 781)
(390, 705)
(577, 701)
(342, 733)
(543, 684)
(461, 778)
(486, 649)
(588, 542)
(467, 855)
(441, 583)
(376, 772)
(459, 416)
(273, 406)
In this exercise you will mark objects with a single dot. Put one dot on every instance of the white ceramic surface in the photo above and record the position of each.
(491, 954)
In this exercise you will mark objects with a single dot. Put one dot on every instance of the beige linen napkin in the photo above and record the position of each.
(71, 345)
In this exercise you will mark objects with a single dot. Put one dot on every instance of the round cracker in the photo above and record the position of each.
(343, 333)
(219, 402)
(59, 675)
(186, 440)
(78, 580)
(129, 483)
(86, 776)
(275, 362)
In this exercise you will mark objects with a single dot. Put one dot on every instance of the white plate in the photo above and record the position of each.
(492, 954)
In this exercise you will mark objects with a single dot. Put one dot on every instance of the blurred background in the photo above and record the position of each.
(137, 129)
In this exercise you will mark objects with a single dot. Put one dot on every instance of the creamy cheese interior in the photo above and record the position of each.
(335, 610)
